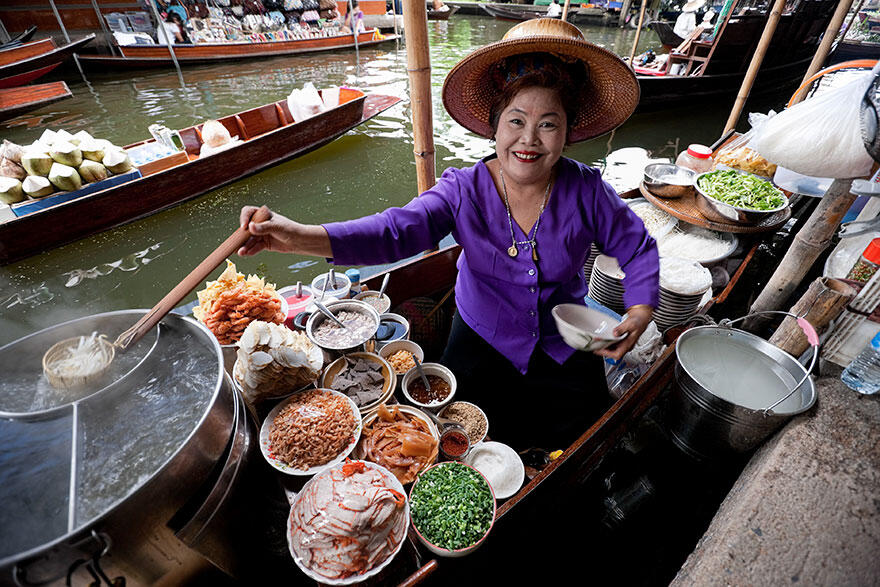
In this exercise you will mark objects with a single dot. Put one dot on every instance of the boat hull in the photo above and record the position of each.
(69, 221)
(14, 101)
(142, 56)
(24, 63)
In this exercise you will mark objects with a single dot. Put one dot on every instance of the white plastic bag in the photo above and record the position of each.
(819, 136)
(305, 103)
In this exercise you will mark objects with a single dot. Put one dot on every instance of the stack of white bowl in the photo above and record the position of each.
(683, 283)
(606, 283)
(588, 266)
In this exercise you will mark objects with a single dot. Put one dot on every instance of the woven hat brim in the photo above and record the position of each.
(610, 97)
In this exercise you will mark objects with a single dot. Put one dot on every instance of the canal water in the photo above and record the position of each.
(363, 172)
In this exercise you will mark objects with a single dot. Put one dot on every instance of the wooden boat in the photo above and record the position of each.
(514, 12)
(269, 137)
(433, 276)
(716, 68)
(140, 56)
(442, 14)
(20, 38)
(14, 101)
(850, 50)
(667, 36)
(21, 64)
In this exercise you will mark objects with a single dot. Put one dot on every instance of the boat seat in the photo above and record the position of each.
(258, 121)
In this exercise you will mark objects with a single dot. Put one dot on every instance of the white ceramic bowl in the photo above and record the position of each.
(505, 455)
(394, 484)
(445, 552)
(430, 369)
(585, 329)
(266, 428)
(402, 345)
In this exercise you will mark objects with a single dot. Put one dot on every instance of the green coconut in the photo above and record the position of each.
(117, 161)
(92, 149)
(48, 137)
(65, 177)
(91, 171)
(79, 137)
(36, 162)
(37, 186)
(63, 135)
(10, 190)
(66, 153)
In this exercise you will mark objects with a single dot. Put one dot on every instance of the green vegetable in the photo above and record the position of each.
(452, 506)
(741, 190)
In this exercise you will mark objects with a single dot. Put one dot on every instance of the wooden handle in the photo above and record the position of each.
(420, 575)
(236, 240)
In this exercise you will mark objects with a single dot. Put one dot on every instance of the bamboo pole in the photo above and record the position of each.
(632, 53)
(565, 10)
(808, 244)
(107, 36)
(60, 22)
(755, 65)
(354, 32)
(825, 46)
(823, 302)
(418, 66)
(160, 30)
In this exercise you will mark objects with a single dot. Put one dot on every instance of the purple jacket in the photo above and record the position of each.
(507, 301)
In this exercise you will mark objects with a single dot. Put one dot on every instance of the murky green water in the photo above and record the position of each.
(364, 171)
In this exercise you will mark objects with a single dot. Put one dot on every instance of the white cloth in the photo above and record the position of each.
(166, 31)
(685, 24)
(554, 10)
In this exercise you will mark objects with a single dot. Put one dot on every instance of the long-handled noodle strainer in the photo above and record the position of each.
(57, 358)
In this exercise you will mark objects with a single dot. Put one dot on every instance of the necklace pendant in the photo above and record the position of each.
(534, 253)
(512, 251)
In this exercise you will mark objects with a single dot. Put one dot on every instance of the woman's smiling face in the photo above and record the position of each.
(531, 134)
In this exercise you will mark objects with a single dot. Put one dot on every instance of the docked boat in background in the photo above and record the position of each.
(141, 56)
(15, 101)
(269, 135)
(20, 38)
(23, 63)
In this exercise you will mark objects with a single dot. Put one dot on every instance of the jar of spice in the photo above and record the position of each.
(454, 443)
(697, 158)
(867, 265)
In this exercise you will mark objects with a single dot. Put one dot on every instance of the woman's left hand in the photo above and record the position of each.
(636, 322)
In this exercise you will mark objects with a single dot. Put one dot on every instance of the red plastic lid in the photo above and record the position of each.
(872, 252)
(699, 151)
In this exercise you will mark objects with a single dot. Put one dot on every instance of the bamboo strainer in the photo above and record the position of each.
(106, 350)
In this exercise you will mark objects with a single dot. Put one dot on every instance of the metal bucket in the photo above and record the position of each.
(734, 408)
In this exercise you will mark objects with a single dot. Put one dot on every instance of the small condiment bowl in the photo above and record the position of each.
(401, 332)
(455, 430)
(474, 441)
(430, 369)
(335, 307)
(584, 328)
(388, 387)
(669, 181)
(382, 307)
(402, 345)
(445, 552)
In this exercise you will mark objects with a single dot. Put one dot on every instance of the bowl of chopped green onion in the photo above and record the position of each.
(452, 508)
(727, 195)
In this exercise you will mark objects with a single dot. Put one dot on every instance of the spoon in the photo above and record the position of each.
(329, 314)
(421, 373)
(384, 285)
(443, 423)
(198, 275)
(324, 287)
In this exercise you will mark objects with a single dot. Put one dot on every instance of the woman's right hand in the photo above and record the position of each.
(278, 233)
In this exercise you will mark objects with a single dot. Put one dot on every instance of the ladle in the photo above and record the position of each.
(171, 300)
(421, 373)
(329, 314)
(384, 285)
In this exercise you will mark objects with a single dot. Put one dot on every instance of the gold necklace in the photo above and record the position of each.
(513, 251)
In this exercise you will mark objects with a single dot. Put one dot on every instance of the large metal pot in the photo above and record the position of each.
(732, 390)
(102, 480)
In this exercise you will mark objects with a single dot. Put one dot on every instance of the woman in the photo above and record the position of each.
(525, 219)
(357, 15)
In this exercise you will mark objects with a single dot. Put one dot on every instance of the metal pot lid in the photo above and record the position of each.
(68, 459)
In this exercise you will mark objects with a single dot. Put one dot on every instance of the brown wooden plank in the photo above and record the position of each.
(14, 101)
(10, 73)
(26, 51)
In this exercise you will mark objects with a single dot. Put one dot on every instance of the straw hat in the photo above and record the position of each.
(610, 96)
(693, 5)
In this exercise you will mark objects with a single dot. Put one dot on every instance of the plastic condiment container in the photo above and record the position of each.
(454, 443)
(295, 303)
(868, 262)
(339, 289)
(354, 275)
(697, 158)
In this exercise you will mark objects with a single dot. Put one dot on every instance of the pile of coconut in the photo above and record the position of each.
(58, 161)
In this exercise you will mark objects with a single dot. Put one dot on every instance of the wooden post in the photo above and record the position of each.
(565, 10)
(755, 65)
(624, 10)
(823, 302)
(354, 32)
(632, 54)
(808, 244)
(160, 30)
(60, 22)
(825, 46)
(418, 66)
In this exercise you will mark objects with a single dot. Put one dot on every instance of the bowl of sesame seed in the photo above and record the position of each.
(471, 418)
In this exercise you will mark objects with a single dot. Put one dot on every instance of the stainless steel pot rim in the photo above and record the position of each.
(338, 305)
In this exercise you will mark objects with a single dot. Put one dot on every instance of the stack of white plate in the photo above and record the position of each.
(606, 285)
(588, 266)
(683, 283)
